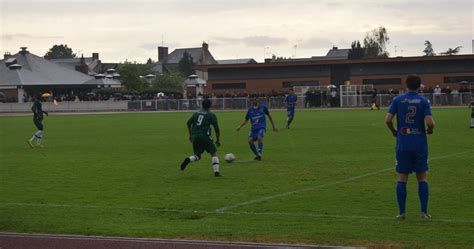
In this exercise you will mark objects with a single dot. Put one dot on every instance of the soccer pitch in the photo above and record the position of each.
(329, 180)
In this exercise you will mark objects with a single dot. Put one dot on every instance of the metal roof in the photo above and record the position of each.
(37, 71)
(197, 54)
(236, 61)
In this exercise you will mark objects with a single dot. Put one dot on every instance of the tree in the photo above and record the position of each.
(130, 75)
(169, 82)
(356, 51)
(59, 52)
(279, 58)
(428, 49)
(150, 61)
(452, 51)
(375, 42)
(185, 65)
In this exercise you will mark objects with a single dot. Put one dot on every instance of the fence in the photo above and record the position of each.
(463, 99)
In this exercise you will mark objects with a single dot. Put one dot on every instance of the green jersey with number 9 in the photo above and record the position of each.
(200, 123)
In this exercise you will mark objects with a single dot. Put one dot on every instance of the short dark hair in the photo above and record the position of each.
(206, 104)
(413, 82)
(291, 89)
(255, 101)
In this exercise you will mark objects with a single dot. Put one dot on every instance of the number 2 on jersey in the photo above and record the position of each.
(411, 113)
(200, 119)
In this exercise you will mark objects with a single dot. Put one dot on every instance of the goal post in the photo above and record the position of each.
(355, 95)
(472, 109)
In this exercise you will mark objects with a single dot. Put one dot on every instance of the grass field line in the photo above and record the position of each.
(350, 179)
(202, 213)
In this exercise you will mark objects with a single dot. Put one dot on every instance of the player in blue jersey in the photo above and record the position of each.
(290, 101)
(256, 114)
(412, 111)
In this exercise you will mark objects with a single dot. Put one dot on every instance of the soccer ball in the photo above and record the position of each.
(229, 157)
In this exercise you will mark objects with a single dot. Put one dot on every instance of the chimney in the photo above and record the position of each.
(24, 51)
(205, 46)
(95, 56)
(334, 48)
(162, 53)
(7, 55)
(82, 67)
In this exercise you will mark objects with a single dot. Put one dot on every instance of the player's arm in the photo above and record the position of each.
(217, 130)
(430, 123)
(389, 123)
(271, 119)
(428, 117)
(247, 117)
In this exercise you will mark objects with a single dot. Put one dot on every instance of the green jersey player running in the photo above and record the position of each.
(199, 128)
(38, 121)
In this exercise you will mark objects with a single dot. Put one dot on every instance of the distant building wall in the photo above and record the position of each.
(248, 86)
(384, 73)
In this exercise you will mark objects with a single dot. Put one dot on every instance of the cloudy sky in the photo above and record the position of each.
(126, 29)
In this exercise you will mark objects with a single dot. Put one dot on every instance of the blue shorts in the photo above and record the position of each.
(412, 161)
(253, 134)
(291, 111)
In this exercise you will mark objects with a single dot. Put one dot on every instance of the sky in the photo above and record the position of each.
(122, 30)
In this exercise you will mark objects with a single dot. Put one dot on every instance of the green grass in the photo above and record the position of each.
(119, 175)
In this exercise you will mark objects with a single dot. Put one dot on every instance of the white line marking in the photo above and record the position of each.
(271, 214)
(350, 179)
(158, 241)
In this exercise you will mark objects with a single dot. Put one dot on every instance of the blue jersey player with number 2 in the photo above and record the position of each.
(256, 114)
(412, 112)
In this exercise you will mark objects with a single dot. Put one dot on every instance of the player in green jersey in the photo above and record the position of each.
(199, 127)
(38, 121)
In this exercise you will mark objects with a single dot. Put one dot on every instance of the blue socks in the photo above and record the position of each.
(260, 147)
(423, 192)
(401, 196)
(254, 149)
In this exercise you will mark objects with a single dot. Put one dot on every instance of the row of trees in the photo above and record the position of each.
(429, 51)
(375, 46)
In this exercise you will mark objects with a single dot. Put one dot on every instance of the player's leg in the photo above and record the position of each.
(251, 140)
(421, 175)
(215, 163)
(423, 193)
(198, 150)
(404, 167)
(402, 194)
(38, 135)
(291, 115)
(260, 135)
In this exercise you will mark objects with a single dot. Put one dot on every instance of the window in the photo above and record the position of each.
(457, 79)
(393, 81)
(287, 84)
(242, 85)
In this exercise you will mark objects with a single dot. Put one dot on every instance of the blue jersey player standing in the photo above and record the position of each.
(412, 111)
(256, 114)
(290, 101)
